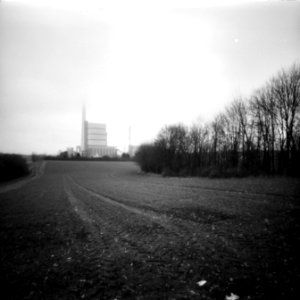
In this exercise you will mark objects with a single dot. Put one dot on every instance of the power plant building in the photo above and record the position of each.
(94, 139)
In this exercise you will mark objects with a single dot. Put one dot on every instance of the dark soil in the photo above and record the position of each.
(101, 230)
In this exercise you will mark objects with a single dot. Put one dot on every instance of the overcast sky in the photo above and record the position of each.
(133, 65)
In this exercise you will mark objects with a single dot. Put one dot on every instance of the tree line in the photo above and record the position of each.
(257, 135)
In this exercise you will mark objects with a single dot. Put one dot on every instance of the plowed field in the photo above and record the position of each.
(103, 230)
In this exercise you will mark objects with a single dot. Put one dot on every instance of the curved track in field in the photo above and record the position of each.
(136, 236)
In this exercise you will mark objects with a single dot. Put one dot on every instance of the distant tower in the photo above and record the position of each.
(83, 131)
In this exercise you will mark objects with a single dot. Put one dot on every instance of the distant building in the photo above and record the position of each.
(94, 139)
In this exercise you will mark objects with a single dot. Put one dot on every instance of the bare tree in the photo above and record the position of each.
(198, 139)
(264, 114)
(173, 141)
(285, 88)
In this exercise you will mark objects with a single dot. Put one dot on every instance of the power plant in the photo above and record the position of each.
(94, 139)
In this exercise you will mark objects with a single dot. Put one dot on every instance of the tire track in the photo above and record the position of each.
(164, 224)
(110, 233)
(108, 210)
(99, 264)
(126, 241)
(131, 235)
(161, 219)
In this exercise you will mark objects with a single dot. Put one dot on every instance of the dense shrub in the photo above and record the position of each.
(149, 158)
(12, 166)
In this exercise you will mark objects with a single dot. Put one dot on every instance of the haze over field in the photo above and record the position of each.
(136, 66)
